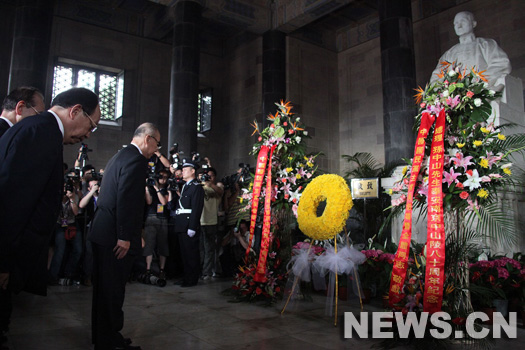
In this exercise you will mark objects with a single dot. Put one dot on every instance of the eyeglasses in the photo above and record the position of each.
(157, 141)
(37, 112)
(93, 124)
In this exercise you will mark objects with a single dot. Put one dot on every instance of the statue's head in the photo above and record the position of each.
(464, 23)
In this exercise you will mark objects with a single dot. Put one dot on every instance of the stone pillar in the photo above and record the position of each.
(273, 71)
(399, 78)
(31, 41)
(185, 76)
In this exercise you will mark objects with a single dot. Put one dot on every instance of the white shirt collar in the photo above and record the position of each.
(137, 147)
(7, 120)
(60, 125)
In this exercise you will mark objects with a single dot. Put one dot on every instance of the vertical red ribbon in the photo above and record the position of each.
(435, 258)
(260, 275)
(399, 269)
(262, 159)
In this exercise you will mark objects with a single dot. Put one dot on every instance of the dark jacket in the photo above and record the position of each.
(4, 126)
(120, 202)
(192, 197)
(31, 188)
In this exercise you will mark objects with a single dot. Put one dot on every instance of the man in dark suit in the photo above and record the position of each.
(20, 103)
(29, 201)
(116, 235)
(187, 223)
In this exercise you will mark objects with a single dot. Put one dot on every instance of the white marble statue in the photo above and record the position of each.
(483, 54)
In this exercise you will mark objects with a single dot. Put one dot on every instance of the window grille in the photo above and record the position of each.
(204, 110)
(108, 86)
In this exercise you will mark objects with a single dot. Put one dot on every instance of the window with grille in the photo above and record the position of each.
(204, 110)
(109, 86)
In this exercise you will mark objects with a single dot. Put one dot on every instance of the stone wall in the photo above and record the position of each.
(360, 106)
(242, 105)
(312, 89)
(147, 67)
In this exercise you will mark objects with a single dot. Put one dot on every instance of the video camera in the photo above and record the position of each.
(153, 177)
(175, 184)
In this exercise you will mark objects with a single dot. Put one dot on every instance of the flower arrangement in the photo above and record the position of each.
(476, 151)
(376, 269)
(501, 278)
(245, 288)
(334, 189)
(292, 168)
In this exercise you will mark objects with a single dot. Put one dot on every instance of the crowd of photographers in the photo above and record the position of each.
(222, 235)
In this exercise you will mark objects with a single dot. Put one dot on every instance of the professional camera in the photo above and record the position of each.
(245, 174)
(175, 184)
(204, 177)
(151, 279)
(71, 179)
(83, 152)
(195, 156)
(97, 176)
(242, 176)
(175, 156)
(152, 178)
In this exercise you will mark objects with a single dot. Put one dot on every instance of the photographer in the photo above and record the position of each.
(156, 225)
(88, 203)
(66, 230)
(213, 192)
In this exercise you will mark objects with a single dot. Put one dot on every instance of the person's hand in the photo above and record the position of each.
(121, 249)
(4, 279)
(236, 233)
(191, 233)
(70, 195)
(95, 188)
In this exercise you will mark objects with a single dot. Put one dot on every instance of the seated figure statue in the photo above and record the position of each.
(483, 54)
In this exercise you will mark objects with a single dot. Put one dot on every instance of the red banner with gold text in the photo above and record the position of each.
(399, 269)
(260, 168)
(435, 257)
(260, 274)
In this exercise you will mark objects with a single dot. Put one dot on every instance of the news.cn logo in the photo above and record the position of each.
(441, 329)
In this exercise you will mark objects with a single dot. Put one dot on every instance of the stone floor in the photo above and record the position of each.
(188, 318)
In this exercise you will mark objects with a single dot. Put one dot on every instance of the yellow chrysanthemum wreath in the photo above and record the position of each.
(338, 197)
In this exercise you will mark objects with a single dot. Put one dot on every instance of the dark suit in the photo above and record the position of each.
(4, 126)
(192, 197)
(119, 215)
(31, 187)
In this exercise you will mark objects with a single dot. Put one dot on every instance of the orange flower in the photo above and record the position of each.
(272, 117)
(287, 105)
(480, 74)
(419, 95)
(295, 127)
(255, 126)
